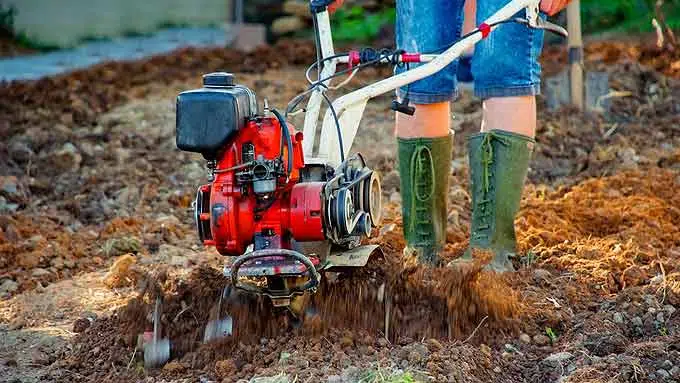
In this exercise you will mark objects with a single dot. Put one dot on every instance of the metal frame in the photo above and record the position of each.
(350, 107)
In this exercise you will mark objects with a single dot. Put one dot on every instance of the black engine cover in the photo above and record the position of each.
(207, 118)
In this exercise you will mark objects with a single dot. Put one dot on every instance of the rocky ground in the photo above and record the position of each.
(95, 216)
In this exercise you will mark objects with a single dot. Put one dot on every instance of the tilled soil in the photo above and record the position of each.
(90, 175)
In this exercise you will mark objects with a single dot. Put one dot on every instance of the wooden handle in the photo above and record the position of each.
(575, 41)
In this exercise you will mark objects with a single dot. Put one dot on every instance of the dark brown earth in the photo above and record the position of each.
(91, 181)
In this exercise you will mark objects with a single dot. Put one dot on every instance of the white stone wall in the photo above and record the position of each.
(64, 22)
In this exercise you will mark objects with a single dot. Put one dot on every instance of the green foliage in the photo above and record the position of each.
(378, 376)
(529, 259)
(551, 334)
(7, 14)
(626, 15)
(357, 25)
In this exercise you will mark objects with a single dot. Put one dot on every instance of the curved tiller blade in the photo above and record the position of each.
(157, 351)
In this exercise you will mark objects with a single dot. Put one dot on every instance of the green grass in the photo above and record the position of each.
(379, 376)
(354, 24)
(631, 16)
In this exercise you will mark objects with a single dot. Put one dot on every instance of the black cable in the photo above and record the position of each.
(318, 63)
(337, 127)
(426, 53)
(286, 135)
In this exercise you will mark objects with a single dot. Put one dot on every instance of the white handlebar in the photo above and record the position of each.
(350, 107)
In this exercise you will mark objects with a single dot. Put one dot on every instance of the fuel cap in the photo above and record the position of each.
(218, 79)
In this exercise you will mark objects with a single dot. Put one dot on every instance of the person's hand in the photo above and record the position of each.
(335, 5)
(551, 7)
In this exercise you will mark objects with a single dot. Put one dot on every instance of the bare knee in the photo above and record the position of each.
(429, 120)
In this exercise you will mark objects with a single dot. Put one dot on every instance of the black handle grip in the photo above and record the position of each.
(403, 107)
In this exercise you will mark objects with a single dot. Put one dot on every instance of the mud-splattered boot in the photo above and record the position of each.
(424, 168)
(498, 167)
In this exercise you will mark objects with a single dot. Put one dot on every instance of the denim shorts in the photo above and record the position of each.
(504, 64)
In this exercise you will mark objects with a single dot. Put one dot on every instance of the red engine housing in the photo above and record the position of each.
(238, 216)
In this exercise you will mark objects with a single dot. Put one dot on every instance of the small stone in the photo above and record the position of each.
(497, 370)
(434, 344)
(122, 155)
(510, 348)
(633, 276)
(68, 157)
(302, 363)
(667, 365)
(20, 151)
(650, 300)
(39, 272)
(119, 246)
(334, 379)
(39, 357)
(659, 317)
(637, 321)
(8, 287)
(346, 341)
(669, 309)
(618, 318)
(525, 338)
(506, 355)
(675, 372)
(558, 357)
(174, 366)
(542, 275)
(382, 342)
(663, 374)
(225, 368)
(541, 340)
(81, 324)
(9, 187)
(57, 263)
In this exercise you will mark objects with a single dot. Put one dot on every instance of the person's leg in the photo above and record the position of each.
(507, 78)
(424, 139)
(464, 73)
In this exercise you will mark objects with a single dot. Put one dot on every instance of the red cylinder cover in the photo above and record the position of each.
(236, 215)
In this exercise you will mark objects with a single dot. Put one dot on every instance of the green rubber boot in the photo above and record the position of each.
(424, 169)
(499, 161)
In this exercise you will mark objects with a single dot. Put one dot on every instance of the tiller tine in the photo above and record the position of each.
(356, 257)
(157, 350)
(220, 326)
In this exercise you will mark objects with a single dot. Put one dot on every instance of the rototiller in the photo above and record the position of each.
(283, 207)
